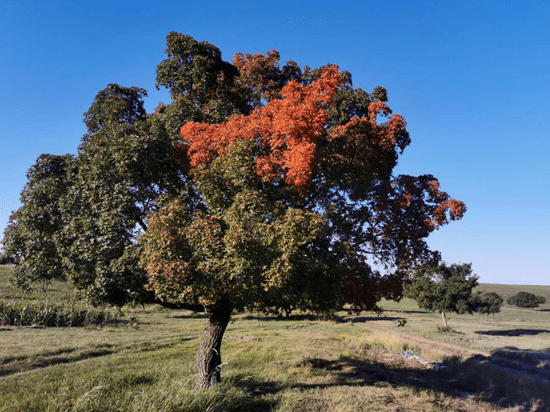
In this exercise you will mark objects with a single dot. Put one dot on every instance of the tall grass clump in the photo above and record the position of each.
(53, 315)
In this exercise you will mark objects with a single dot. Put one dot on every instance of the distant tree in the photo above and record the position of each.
(526, 300)
(5, 259)
(31, 237)
(488, 303)
(445, 289)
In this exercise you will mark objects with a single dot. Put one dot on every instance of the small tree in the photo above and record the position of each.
(526, 300)
(5, 259)
(445, 289)
(488, 303)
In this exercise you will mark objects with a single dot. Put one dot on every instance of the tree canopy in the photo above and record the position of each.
(258, 186)
(445, 289)
(488, 303)
(526, 300)
(31, 237)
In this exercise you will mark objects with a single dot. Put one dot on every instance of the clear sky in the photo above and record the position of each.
(470, 77)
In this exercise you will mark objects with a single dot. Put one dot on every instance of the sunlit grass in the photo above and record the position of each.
(302, 364)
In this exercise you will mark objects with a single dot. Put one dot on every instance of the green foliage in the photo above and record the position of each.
(446, 329)
(52, 315)
(488, 303)
(251, 246)
(115, 107)
(201, 84)
(31, 237)
(445, 288)
(526, 300)
(125, 163)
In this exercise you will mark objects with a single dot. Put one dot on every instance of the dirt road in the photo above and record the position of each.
(442, 348)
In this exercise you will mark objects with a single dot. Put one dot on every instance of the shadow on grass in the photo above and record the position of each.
(363, 319)
(458, 380)
(517, 375)
(267, 318)
(191, 316)
(12, 365)
(513, 332)
(310, 317)
(416, 311)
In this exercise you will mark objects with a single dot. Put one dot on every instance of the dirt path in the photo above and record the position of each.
(442, 348)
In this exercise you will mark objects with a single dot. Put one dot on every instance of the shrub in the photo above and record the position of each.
(488, 303)
(446, 329)
(45, 314)
(526, 300)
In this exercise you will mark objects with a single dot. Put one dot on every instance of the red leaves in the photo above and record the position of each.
(290, 129)
(287, 128)
(256, 72)
(456, 208)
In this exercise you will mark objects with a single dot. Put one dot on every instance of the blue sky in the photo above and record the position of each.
(471, 79)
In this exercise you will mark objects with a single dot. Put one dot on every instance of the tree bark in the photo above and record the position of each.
(208, 361)
(444, 316)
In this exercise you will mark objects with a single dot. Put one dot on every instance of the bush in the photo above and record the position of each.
(44, 314)
(446, 329)
(526, 300)
(5, 259)
(488, 303)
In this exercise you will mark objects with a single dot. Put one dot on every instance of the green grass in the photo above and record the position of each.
(303, 365)
(268, 366)
(513, 326)
(505, 291)
(57, 291)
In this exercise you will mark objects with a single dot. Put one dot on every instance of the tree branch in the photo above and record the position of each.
(142, 223)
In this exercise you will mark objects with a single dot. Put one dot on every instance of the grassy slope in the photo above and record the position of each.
(266, 366)
(517, 327)
(57, 291)
(509, 290)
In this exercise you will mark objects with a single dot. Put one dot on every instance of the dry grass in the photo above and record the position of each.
(521, 328)
(302, 364)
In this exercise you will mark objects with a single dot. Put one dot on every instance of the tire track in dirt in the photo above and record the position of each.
(442, 348)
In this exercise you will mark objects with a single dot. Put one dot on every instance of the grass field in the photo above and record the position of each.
(513, 326)
(302, 364)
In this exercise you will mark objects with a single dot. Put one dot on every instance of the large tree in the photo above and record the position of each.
(259, 185)
(126, 163)
(298, 208)
(31, 237)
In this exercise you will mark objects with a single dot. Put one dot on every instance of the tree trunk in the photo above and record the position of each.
(44, 284)
(444, 316)
(208, 361)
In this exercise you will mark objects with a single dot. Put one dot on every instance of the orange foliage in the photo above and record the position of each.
(255, 70)
(287, 128)
(290, 128)
(456, 208)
